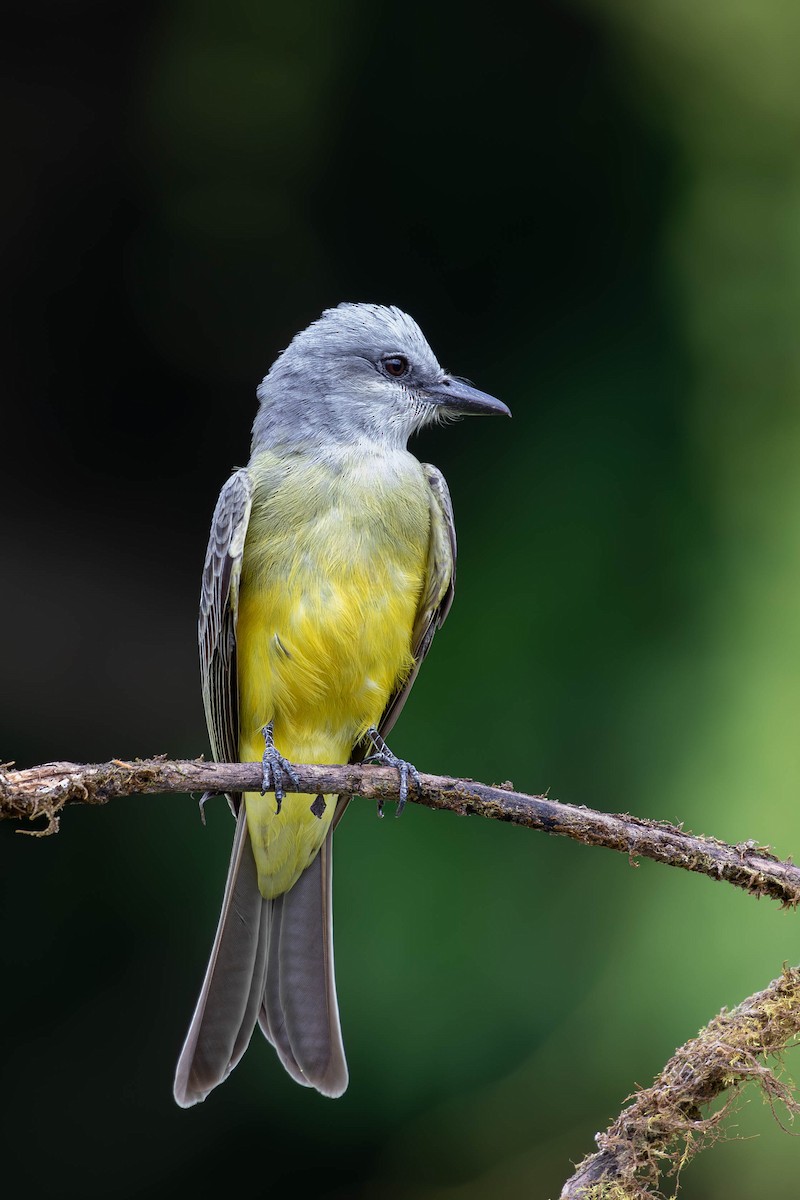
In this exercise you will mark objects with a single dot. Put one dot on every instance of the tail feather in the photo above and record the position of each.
(227, 1008)
(300, 1015)
(272, 961)
(270, 1017)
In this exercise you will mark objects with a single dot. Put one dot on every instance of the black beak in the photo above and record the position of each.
(461, 398)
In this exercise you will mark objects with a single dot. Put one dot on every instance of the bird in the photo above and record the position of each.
(330, 566)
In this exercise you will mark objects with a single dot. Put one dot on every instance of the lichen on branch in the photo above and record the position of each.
(666, 1124)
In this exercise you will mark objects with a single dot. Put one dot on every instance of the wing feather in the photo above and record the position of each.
(219, 601)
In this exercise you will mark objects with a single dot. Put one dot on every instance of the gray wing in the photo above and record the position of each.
(219, 601)
(234, 982)
(437, 594)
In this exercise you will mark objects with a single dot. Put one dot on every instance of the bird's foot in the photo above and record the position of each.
(277, 772)
(206, 796)
(384, 757)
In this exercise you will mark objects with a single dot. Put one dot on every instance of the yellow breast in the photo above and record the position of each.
(333, 569)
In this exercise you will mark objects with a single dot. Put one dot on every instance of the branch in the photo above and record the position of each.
(664, 1127)
(42, 792)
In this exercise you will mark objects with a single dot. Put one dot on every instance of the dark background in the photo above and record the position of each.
(592, 211)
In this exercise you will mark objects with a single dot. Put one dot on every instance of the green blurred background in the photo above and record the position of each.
(593, 210)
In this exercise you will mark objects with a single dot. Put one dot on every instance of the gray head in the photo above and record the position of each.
(360, 372)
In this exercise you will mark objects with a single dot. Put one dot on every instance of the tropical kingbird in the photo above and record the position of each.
(330, 566)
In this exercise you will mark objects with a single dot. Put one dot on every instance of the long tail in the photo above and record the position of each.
(272, 962)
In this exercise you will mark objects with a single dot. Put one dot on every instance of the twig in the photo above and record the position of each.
(40, 793)
(664, 1126)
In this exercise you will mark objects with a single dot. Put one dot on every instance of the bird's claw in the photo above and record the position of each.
(277, 772)
(384, 757)
(201, 803)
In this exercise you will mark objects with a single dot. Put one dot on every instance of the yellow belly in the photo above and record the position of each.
(326, 612)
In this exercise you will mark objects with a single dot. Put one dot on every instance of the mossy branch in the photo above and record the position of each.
(666, 1125)
(41, 793)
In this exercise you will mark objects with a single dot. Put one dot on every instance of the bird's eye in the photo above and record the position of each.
(395, 365)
